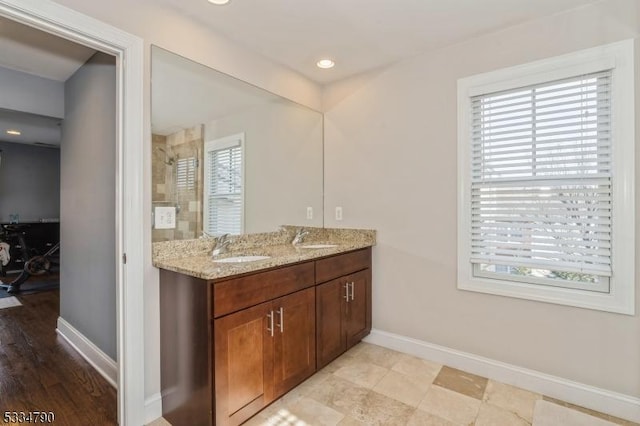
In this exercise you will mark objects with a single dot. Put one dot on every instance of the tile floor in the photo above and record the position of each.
(372, 385)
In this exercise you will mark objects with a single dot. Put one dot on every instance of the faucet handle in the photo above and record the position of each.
(299, 237)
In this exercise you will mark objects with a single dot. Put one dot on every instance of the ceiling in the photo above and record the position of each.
(26, 49)
(360, 35)
(35, 129)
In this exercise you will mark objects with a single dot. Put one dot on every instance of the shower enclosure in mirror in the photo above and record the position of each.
(228, 157)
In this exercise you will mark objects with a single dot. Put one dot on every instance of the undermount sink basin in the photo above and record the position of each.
(241, 259)
(318, 246)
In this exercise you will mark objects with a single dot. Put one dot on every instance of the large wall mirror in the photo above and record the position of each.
(228, 157)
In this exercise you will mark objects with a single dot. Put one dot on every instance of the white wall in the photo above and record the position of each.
(87, 212)
(29, 93)
(160, 25)
(283, 163)
(390, 161)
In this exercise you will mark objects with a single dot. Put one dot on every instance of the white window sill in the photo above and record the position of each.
(614, 302)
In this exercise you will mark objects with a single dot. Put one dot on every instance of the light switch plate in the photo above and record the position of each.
(164, 217)
(338, 213)
(309, 213)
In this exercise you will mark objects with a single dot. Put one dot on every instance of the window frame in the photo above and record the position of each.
(620, 58)
(218, 144)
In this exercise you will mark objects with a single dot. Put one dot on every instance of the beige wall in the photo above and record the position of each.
(283, 163)
(390, 162)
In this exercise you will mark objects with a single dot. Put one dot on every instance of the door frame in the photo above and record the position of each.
(128, 49)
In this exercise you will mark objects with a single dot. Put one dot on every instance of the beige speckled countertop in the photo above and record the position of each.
(191, 257)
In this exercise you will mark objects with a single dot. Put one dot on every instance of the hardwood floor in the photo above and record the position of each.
(40, 371)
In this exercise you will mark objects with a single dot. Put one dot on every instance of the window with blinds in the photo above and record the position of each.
(224, 195)
(186, 174)
(546, 169)
(541, 183)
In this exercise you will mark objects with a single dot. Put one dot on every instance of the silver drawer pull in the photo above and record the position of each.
(281, 322)
(270, 326)
(353, 290)
(346, 292)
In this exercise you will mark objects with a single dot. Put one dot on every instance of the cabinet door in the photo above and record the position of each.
(358, 309)
(243, 360)
(294, 343)
(331, 335)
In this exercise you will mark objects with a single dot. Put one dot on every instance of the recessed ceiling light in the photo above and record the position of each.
(219, 2)
(14, 132)
(325, 63)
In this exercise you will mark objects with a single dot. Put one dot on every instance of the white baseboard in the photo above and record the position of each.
(605, 401)
(103, 364)
(153, 408)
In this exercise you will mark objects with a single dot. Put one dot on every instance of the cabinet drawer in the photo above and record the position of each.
(343, 264)
(233, 295)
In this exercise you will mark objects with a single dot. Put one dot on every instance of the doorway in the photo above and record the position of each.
(128, 51)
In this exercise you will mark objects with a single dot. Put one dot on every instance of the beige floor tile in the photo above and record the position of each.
(336, 364)
(257, 420)
(339, 394)
(417, 367)
(377, 355)
(308, 385)
(547, 413)
(160, 421)
(511, 398)
(294, 395)
(450, 405)
(350, 421)
(490, 415)
(461, 382)
(283, 404)
(310, 412)
(378, 409)
(362, 373)
(404, 388)
(422, 418)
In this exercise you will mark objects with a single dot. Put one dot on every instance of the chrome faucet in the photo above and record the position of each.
(299, 238)
(221, 245)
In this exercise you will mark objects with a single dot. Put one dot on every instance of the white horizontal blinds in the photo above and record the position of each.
(186, 174)
(224, 190)
(541, 176)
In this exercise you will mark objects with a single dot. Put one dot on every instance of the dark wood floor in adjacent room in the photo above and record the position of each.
(40, 371)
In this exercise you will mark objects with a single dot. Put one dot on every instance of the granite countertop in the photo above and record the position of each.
(191, 257)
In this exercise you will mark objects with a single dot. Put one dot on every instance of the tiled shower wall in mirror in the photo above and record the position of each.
(178, 181)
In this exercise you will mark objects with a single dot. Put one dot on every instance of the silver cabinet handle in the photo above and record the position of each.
(353, 290)
(270, 326)
(346, 292)
(281, 324)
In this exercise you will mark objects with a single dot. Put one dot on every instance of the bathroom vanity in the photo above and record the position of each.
(235, 338)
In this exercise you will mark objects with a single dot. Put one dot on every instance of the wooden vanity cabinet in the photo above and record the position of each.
(243, 356)
(232, 346)
(261, 353)
(343, 305)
